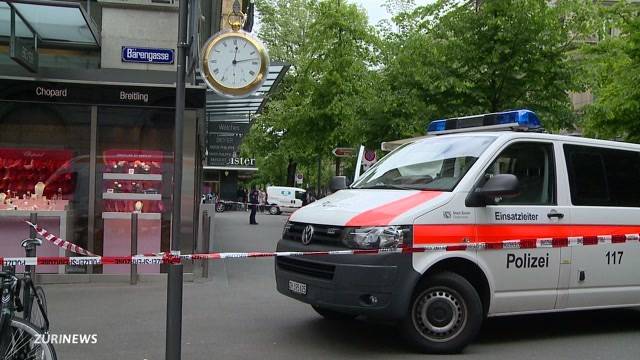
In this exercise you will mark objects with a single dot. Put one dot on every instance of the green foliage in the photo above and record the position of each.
(459, 60)
(331, 49)
(353, 84)
(612, 70)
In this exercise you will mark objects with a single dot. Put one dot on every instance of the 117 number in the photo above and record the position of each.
(614, 257)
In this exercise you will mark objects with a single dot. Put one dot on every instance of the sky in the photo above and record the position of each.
(377, 12)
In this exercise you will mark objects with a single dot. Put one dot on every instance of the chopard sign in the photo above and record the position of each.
(50, 92)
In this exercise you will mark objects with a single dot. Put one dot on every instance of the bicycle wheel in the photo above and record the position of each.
(37, 316)
(27, 343)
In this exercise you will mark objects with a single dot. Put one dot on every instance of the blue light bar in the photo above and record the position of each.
(437, 125)
(516, 119)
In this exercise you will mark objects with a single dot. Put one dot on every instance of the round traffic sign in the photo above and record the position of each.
(369, 155)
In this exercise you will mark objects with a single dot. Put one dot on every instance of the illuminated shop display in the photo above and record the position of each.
(132, 182)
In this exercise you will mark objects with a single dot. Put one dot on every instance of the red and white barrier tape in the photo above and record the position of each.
(173, 258)
(60, 242)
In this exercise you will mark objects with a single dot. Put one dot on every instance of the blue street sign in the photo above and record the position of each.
(147, 55)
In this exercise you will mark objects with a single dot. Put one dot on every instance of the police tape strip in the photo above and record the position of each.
(60, 242)
(175, 257)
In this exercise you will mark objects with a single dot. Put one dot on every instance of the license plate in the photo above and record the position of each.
(298, 287)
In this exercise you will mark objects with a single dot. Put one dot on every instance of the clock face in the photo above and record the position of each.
(234, 63)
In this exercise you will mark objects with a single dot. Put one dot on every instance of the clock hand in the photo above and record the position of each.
(235, 55)
(237, 61)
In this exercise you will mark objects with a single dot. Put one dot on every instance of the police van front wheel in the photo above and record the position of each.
(445, 314)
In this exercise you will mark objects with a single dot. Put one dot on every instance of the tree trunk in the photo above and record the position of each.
(291, 172)
(338, 166)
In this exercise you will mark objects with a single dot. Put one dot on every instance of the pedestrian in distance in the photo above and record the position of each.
(253, 199)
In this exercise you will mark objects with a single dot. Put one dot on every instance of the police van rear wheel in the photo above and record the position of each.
(445, 314)
(274, 210)
(330, 314)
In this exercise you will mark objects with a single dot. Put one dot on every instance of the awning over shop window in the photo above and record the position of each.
(220, 108)
(228, 120)
(55, 22)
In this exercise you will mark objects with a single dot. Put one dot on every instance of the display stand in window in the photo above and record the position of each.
(132, 182)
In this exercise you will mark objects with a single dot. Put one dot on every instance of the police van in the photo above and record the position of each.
(511, 222)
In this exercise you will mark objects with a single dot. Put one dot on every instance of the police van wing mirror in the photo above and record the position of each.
(501, 185)
(338, 183)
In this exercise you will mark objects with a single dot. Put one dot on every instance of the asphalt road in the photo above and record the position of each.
(239, 315)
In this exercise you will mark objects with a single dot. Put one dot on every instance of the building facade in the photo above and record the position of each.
(87, 108)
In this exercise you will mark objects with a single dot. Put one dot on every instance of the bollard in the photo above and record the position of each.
(206, 231)
(31, 250)
(133, 280)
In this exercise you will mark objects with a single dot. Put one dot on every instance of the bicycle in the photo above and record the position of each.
(34, 315)
(21, 338)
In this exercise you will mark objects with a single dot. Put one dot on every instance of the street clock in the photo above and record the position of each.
(234, 62)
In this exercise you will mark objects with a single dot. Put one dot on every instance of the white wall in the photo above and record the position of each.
(137, 27)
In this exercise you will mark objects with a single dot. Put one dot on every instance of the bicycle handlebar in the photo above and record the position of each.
(7, 274)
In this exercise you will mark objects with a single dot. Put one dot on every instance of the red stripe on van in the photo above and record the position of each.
(424, 234)
(384, 214)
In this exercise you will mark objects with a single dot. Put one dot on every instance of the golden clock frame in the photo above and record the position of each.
(207, 50)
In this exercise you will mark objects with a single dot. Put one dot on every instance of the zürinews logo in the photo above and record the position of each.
(147, 55)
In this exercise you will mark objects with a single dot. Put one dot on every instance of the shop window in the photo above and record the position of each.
(44, 169)
(134, 169)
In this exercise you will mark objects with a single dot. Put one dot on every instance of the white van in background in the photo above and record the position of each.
(284, 198)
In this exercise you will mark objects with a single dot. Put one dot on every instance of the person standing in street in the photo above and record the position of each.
(254, 196)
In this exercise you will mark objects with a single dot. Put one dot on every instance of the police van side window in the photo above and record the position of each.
(533, 164)
(602, 176)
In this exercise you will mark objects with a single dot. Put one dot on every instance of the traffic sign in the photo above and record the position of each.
(344, 152)
(368, 159)
(299, 178)
(369, 155)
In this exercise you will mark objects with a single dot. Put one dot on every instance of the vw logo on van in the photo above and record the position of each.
(307, 234)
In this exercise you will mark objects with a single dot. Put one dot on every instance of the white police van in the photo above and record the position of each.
(511, 222)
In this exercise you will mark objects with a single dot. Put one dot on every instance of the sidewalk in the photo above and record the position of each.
(130, 320)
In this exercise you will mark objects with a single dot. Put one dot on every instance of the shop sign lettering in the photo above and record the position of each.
(51, 92)
(242, 161)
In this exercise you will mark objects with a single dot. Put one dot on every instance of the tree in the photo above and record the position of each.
(321, 99)
(612, 68)
(284, 27)
(455, 59)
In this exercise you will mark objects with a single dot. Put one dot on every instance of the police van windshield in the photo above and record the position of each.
(433, 164)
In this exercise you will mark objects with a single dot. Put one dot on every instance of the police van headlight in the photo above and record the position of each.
(285, 229)
(376, 237)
